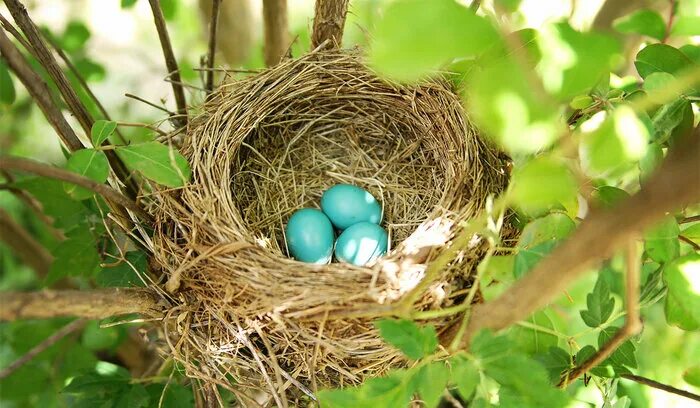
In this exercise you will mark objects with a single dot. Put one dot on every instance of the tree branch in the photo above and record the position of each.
(40, 169)
(675, 183)
(661, 386)
(24, 245)
(170, 61)
(213, 23)
(276, 31)
(329, 22)
(92, 304)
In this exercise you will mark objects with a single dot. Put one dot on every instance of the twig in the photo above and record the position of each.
(39, 91)
(675, 184)
(90, 304)
(276, 31)
(329, 22)
(40, 169)
(149, 103)
(661, 386)
(170, 61)
(18, 36)
(632, 324)
(475, 5)
(669, 24)
(50, 341)
(143, 125)
(692, 218)
(689, 242)
(215, 6)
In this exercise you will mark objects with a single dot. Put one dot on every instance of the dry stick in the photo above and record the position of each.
(149, 103)
(674, 184)
(90, 304)
(213, 24)
(24, 245)
(50, 341)
(329, 22)
(276, 31)
(40, 169)
(12, 30)
(633, 323)
(39, 91)
(692, 218)
(661, 386)
(170, 61)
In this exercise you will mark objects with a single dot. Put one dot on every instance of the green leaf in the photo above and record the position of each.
(173, 395)
(692, 233)
(96, 338)
(407, 51)
(660, 58)
(624, 354)
(532, 341)
(668, 117)
(66, 212)
(89, 69)
(89, 163)
(573, 62)
(75, 36)
(95, 382)
(609, 196)
(541, 183)
(651, 160)
(586, 353)
(125, 4)
(77, 255)
(169, 8)
(414, 341)
(135, 397)
(101, 130)
(394, 390)
(526, 259)
(509, 6)
(600, 305)
(686, 25)
(552, 227)
(644, 21)
(465, 376)
(661, 243)
(692, 52)
(556, 361)
(658, 81)
(7, 86)
(431, 381)
(581, 102)
(620, 140)
(496, 274)
(156, 162)
(682, 276)
(123, 275)
(692, 375)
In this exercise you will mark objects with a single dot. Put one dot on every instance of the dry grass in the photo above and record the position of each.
(271, 143)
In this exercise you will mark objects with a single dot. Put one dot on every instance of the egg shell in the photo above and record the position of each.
(345, 205)
(310, 236)
(361, 243)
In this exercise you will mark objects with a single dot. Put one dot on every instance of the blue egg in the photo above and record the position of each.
(310, 236)
(361, 243)
(345, 205)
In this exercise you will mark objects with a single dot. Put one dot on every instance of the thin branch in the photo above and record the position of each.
(661, 386)
(16, 34)
(149, 103)
(675, 184)
(689, 242)
(690, 219)
(475, 5)
(329, 22)
(632, 324)
(276, 31)
(40, 169)
(90, 304)
(39, 91)
(170, 61)
(24, 245)
(36, 350)
(213, 25)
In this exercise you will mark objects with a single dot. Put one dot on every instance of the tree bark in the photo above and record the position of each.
(276, 31)
(329, 22)
(91, 304)
(675, 184)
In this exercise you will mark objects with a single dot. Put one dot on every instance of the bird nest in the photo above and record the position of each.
(243, 312)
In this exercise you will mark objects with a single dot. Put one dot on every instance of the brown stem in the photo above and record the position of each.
(40, 169)
(661, 386)
(16, 34)
(276, 31)
(170, 61)
(675, 184)
(689, 242)
(475, 5)
(50, 341)
(669, 23)
(690, 219)
(213, 23)
(39, 91)
(329, 22)
(24, 245)
(91, 304)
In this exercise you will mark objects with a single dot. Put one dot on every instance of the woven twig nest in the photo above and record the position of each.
(271, 143)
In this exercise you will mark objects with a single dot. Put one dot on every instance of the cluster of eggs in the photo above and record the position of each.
(354, 212)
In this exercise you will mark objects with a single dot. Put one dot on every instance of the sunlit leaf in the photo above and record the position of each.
(658, 81)
(661, 243)
(526, 259)
(554, 226)
(533, 341)
(624, 354)
(556, 361)
(692, 52)
(414, 341)
(692, 375)
(609, 196)
(541, 183)
(88, 163)
(7, 86)
(692, 233)
(75, 36)
(465, 376)
(89, 69)
(581, 102)
(620, 140)
(686, 25)
(644, 21)
(156, 162)
(660, 58)
(101, 130)
(682, 276)
(169, 8)
(600, 305)
(96, 338)
(128, 3)
(431, 381)
(406, 51)
(651, 160)
(668, 117)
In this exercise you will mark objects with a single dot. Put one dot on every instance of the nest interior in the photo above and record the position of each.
(266, 145)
